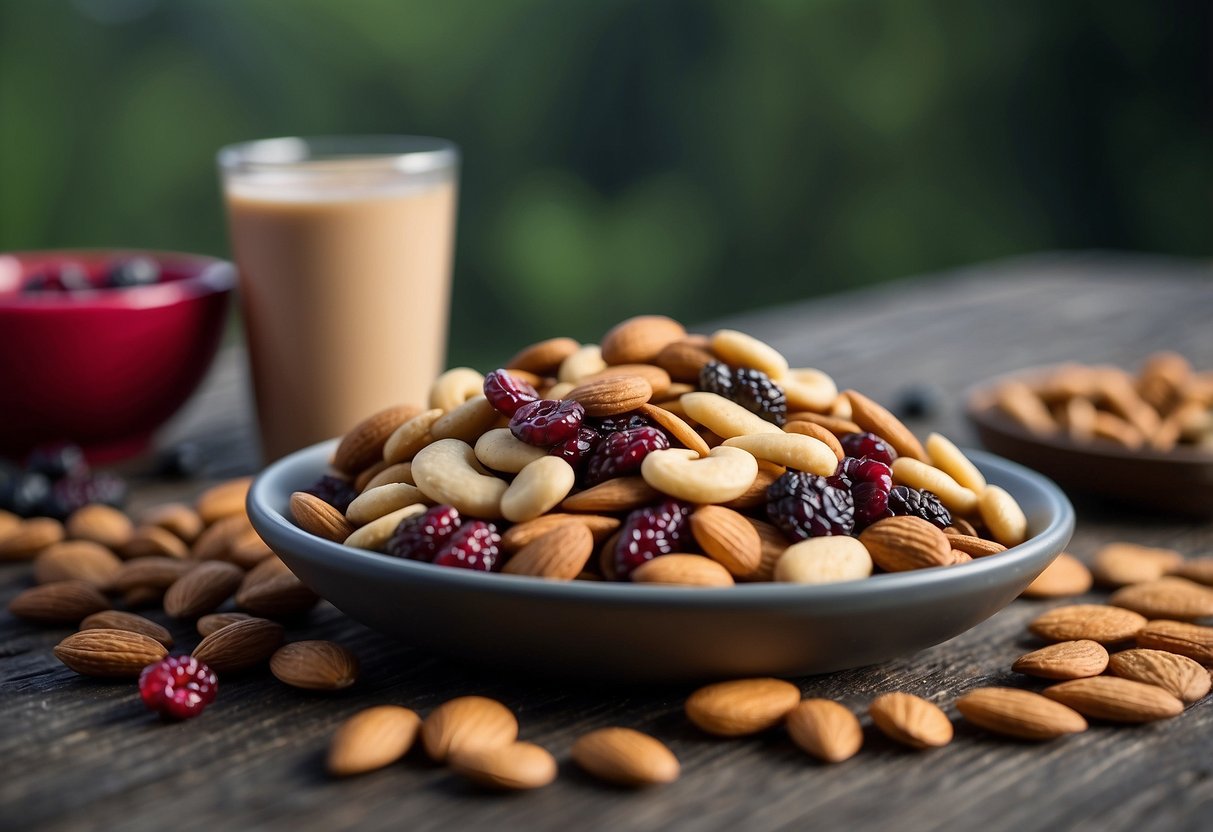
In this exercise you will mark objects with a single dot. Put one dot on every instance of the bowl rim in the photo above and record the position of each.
(981, 412)
(207, 276)
(281, 532)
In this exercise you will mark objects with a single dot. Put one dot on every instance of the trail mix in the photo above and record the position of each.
(656, 457)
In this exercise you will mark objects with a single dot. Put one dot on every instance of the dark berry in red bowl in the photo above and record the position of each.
(575, 449)
(906, 501)
(805, 505)
(476, 545)
(179, 687)
(620, 454)
(506, 394)
(752, 389)
(860, 445)
(422, 536)
(649, 533)
(547, 422)
(335, 491)
(135, 271)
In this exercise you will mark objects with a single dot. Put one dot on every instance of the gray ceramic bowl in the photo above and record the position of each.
(630, 633)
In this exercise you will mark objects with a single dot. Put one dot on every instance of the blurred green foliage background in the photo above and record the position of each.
(687, 156)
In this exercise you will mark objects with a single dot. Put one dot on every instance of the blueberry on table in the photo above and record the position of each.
(57, 461)
(137, 271)
(24, 494)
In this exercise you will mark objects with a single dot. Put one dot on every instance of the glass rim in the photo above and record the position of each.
(308, 154)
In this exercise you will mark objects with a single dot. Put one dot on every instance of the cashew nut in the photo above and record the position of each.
(454, 387)
(501, 450)
(723, 417)
(741, 350)
(384, 499)
(919, 475)
(467, 421)
(375, 534)
(446, 472)
(791, 450)
(809, 389)
(540, 486)
(410, 437)
(724, 474)
(1003, 516)
(824, 560)
(951, 460)
(581, 364)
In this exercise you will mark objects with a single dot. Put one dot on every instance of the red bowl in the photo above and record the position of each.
(104, 367)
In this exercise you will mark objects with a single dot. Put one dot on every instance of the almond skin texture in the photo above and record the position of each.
(30, 538)
(641, 339)
(741, 707)
(1064, 660)
(911, 721)
(543, 358)
(177, 518)
(1189, 640)
(467, 724)
(216, 621)
(101, 524)
(363, 445)
(521, 534)
(278, 596)
(727, 538)
(617, 494)
(625, 757)
(1178, 675)
(682, 570)
(154, 542)
(372, 739)
(224, 499)
(1114, 699)
(155, 573)
(61, 602)
(1169, 598)
(118, 620)
(215, 542)
(559, 555)
(1121, 564)
(80, 560)
(202, 589)
(1019, 713)
(315, 665)
(1107, 625)
(317, 517)
(825, 729)
(240, 645)
(110, 653)
(612, 395)
(875, 419)
(899, 544)
(519, 766)
(1065, 577)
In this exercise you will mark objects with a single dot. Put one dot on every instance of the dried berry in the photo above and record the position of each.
(575, 449)
(73, 493)
(547, 422)
(804, 505)
(178, 687)
(422, 536)
(476, 545)
(23, 493)
(860, 445)
(869, 482)
(620, 454)
(335, 491)
(624, 421)
(650, 532)
(57, 461)
(506, 393)
(907, 501)
(752, 389)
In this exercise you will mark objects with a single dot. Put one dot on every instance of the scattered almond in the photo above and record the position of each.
(1196, 569)
(1189, 640)
(682, 570)
(911, 721)
(465, 724)
(157, 573)
(1170, 598)
(371, 739)
(223, 500)
(314, 665)
(202, 589)
(1178, 675)
(1107, 625)
(559, 555)
(625, 757)
(113, 653)
(61, 602)
(1116, 700)
(278, 596)
(154, 542)
(519, 766)
(81, 560)
(898, 544)
(742, 706)
(1120, 564)
(101, 524)
(1065, 577)
(119, 620)
(216, 621)
(1064, 660)
(317, 517)
(1021, 714)
(177, 518)
(825, 729)
(248, 549)
(240, 645)
(30, 538)
(727, 538)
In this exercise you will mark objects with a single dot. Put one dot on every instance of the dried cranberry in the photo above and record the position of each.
(506, 394)
(906, 501)
(575, 449)
(620, 454)
(547, 422)
(178, 687)
(421, 536)
(335, 491)
(868, 445)
(804, 505)
(624, 421)
(476, 545)
(650, 532)
(752, 389)
(869, 482)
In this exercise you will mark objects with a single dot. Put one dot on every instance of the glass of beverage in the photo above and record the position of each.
(344, 248)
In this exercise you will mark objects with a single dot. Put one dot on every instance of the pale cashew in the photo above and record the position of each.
(791, 450)
(725, 474)
(540, 486)
(919, 475)
(741, 350)
(951, 460)
(384, 499)
(446, 472)
(500, 450)
(454, 387)
(467, 421)
(375, 534)
(824, 560)
(581, 364)
(400, 472)
(410, 437)
(723, 417)
(809, 389)
(1003, 516)
(559, 390)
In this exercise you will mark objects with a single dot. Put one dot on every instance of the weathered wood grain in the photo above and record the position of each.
(79, 754)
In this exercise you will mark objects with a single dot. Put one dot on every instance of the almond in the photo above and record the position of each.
(1065, 577)
(314, 665)
(1170, 598)
(727, 538)
(616, 494)
(1116, 700)
(240, 645)
(363, 445)
(157, 573)
(834, 424)
(1178, 675)
(977, 547)
(684, 359)
(756, 495)
(911, 721)
(825, 729)
(676, 427)
(819, 433)
(275, 597)
(101, 524)
(625, 757)
(742, 706)
(9, 523)
(465, 724)
(611, 395)
(898, 544)
(1120, 564)
(1107, 625)
(223, 500)
(216, 621)
(1064, 660)
(682, 570)
(367, 474)
(268, 568)
(545, 357)
(80, 560)
(774, 544)
(248, 550)
(154, 542)
(1021, 714)
(521, 534)
(128, 621)
(559, 555)
(317, 517)
(1189, 640)
(658, 379)
(1196, 569)
(111, 653)
(202, 589)
(177, 518)
(61, 602)
(641, 339)
(371, 739)
(518, 766)
(875, 419)
(216, 542)
(30, 538)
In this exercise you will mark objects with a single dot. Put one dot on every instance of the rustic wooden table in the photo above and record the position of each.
(81, 754)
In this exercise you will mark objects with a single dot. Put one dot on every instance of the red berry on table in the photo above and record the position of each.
(179, 687)
(547, 422)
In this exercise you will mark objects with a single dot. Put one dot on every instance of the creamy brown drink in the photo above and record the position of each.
(344, 250)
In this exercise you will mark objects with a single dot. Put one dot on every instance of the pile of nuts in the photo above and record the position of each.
(658, 457)
(1165, 406)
